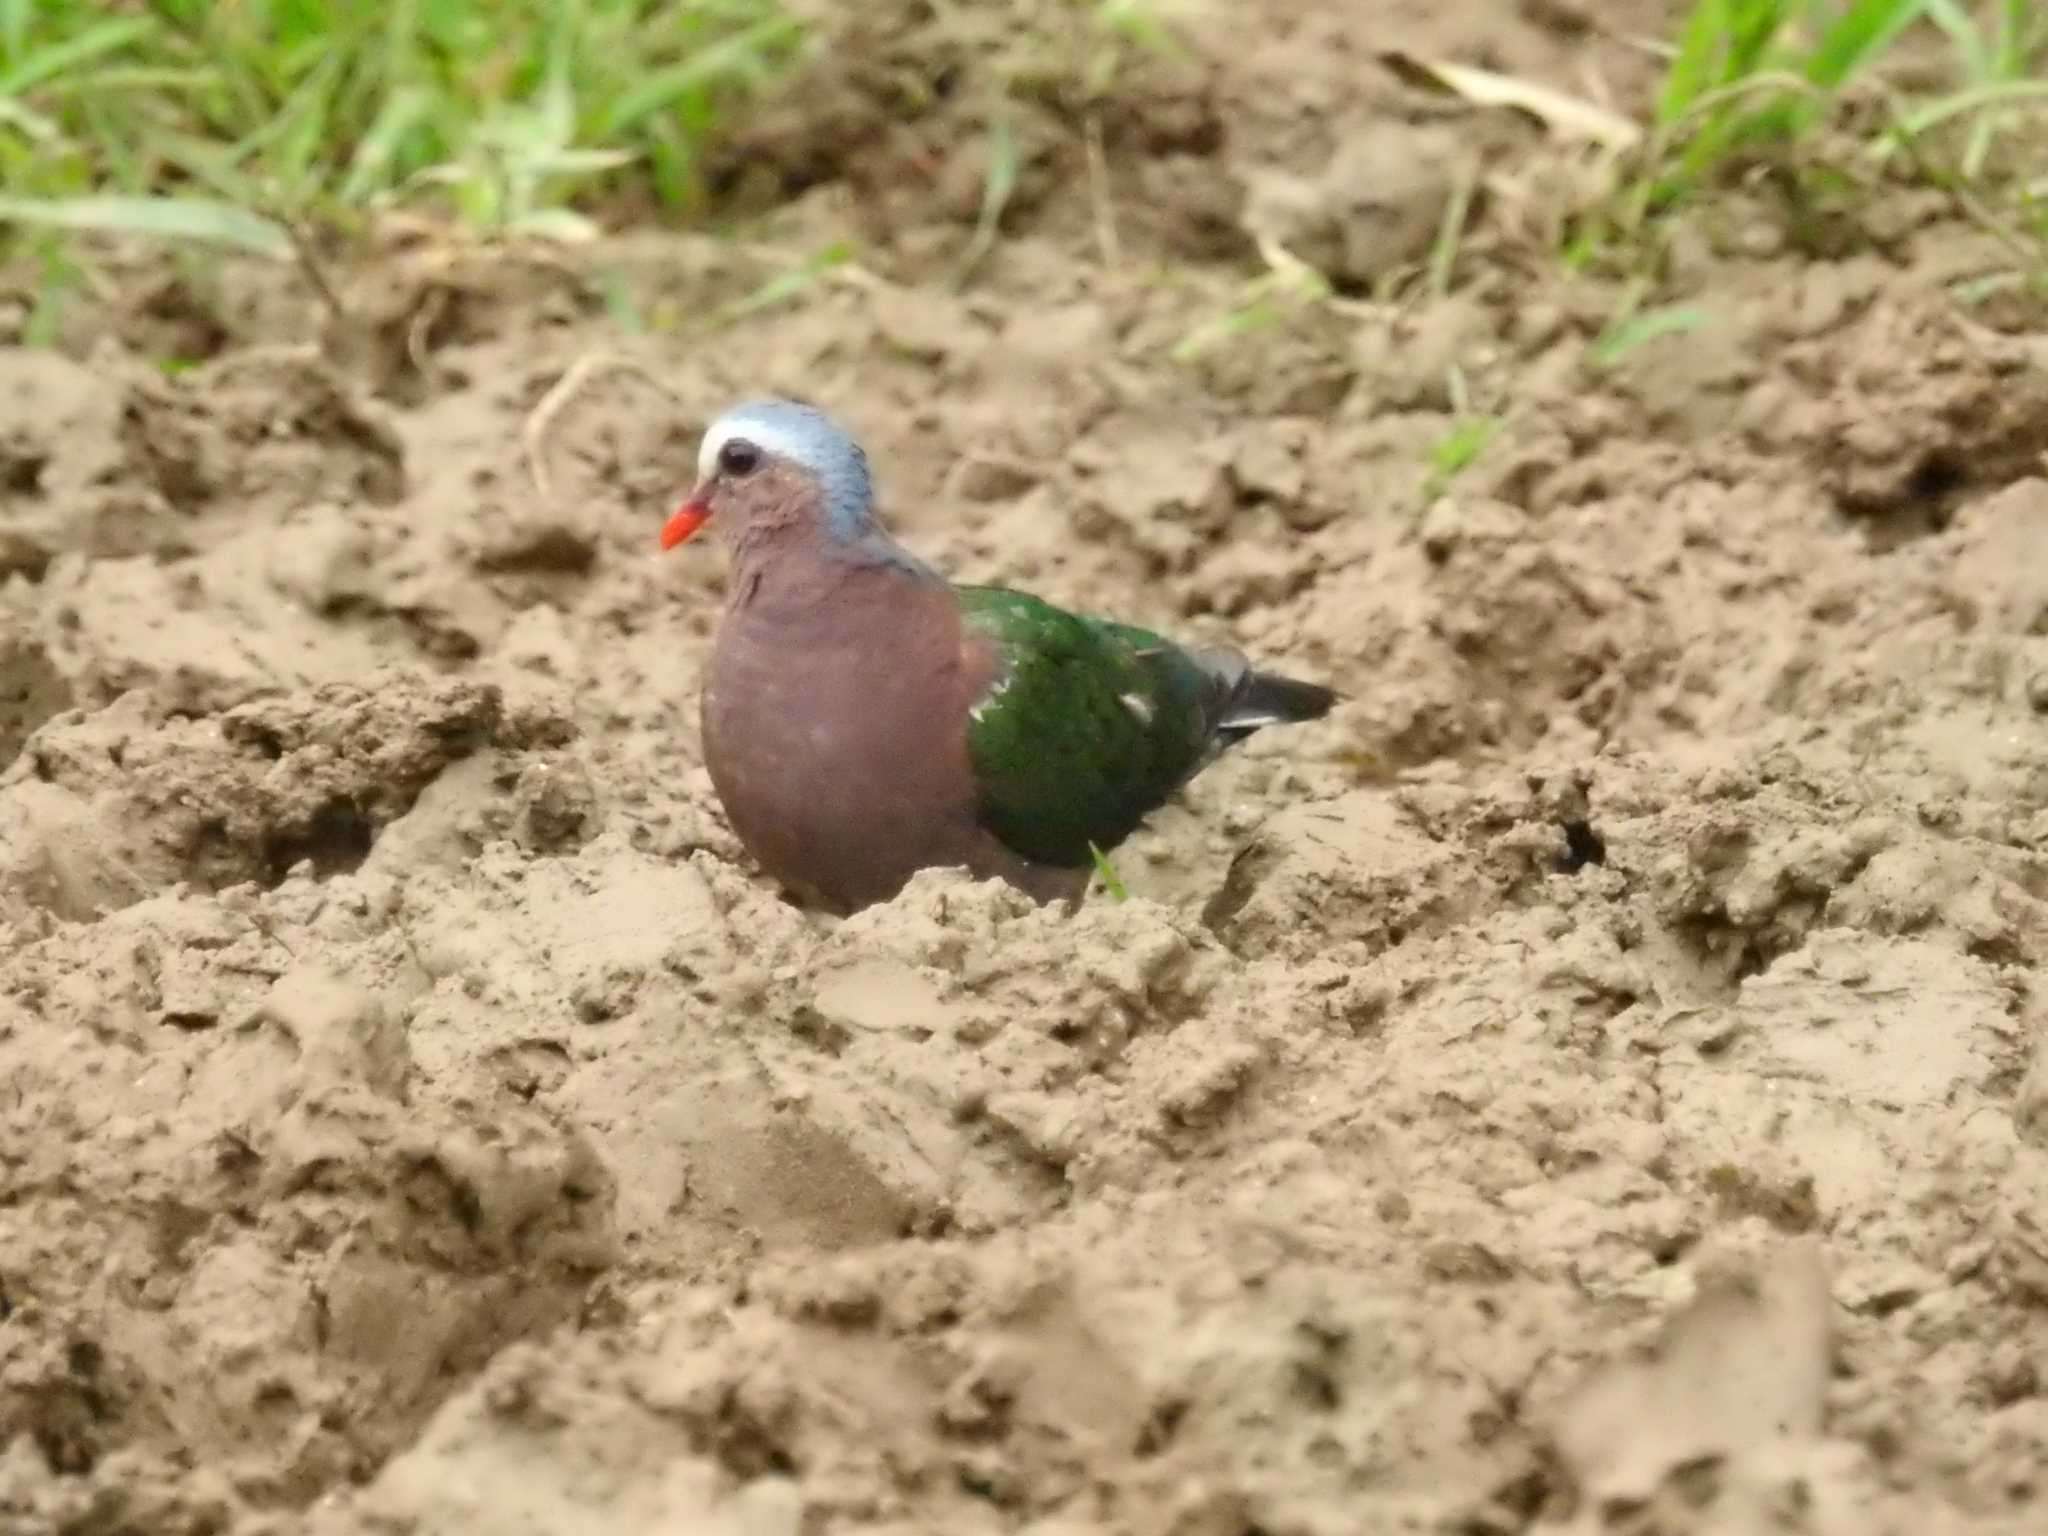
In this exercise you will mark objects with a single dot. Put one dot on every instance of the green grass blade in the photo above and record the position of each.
(562, 225)
(30, 125)
(996, 189)
(1692, 70)
(1112, 882)
(373, 166)
(577, 162)
(307, 126)
(1137, 22)
(110, 136)
(60, 279)
(785, 285)
(59, 58)
(1977, 98)
(1443, 254)
(671, 161)
(741, 58)
(401, 41)
(15, 16)
(205, 163)
(2021, 30)
(1962, 32)
(1755, 26)
(616, 289)
(1646, 326)
(130, 77)
(1865, 29)
(163, 218)
(556, 123)
(1453, 453)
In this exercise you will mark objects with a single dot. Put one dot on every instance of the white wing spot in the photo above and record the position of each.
(996, 690)
(1138, 705)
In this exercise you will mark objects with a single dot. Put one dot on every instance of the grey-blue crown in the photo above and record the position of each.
(806, 436)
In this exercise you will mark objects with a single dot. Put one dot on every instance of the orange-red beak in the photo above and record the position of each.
(685, 520)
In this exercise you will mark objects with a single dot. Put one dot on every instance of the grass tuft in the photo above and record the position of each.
(1750, 73)
(504, 114)
(1804, 92)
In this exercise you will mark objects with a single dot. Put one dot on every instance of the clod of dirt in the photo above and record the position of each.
(127, 463)
(1735, 1380)
(1914, 409)
(1753, 873)
(2000, 570)
(372, 1224)
(1374, 210)
(1538, 637)
(1357, 854)
(57, 450)
(32, 691)
(402, 330)
(900, 106)
(1833, 1009)
(248, 796)
(281, 429)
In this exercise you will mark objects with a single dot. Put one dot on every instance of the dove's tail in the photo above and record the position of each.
(1270, 699)
(1257, 699)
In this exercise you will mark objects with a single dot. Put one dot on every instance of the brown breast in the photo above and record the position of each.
(835, 730)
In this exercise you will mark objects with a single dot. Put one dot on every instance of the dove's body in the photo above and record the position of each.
(841, 777)
(863, 719)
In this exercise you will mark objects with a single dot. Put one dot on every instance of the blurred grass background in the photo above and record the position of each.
(233, 122)
(163, 114)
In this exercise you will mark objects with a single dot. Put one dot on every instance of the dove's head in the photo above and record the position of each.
(776, 462)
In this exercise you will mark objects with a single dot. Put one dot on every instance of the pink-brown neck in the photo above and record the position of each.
(787, 559)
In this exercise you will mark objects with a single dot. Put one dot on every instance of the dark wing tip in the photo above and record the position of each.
(1269, 699)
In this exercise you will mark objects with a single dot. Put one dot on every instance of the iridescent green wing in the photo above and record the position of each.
(1088, 727)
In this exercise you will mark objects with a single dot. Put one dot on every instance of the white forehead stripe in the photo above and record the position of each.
(767, 436)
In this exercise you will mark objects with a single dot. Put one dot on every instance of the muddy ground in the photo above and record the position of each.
(1593, 1082)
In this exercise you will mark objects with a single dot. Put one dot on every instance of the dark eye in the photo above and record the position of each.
(739, 457)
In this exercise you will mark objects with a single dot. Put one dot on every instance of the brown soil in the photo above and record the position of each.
(1594, 1083)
